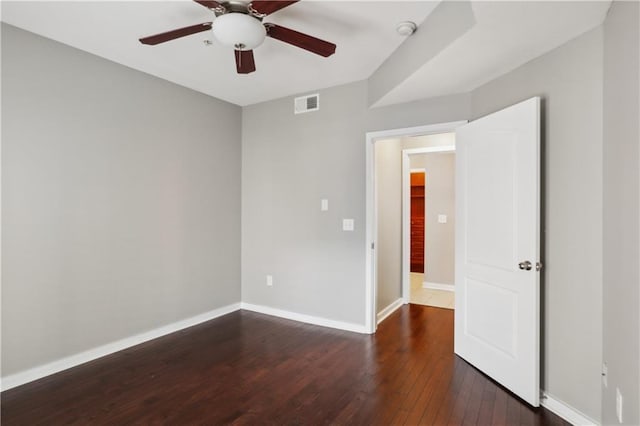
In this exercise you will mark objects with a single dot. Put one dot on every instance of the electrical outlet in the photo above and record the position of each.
(270, 280)
(605, 371)
(619, 405)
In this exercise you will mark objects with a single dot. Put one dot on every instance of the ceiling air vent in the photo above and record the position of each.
(306, 103)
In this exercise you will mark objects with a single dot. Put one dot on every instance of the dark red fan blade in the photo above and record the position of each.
(303, 41)
(171, 35)
(244, 61)
(267, 7)
(209, 4)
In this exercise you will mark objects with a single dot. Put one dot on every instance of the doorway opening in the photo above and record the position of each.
(430, 214)
(388, 212)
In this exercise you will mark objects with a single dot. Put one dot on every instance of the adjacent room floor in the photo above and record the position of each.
(427, 296)
(248, 368)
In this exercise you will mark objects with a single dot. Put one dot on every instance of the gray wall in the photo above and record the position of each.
(289, 163)
(120, 201)
(419, 113)
(439, 241)
(621, 295)
(388, 177)
(569, 79)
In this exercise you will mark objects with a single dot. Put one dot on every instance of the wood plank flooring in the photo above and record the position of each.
(247, 368)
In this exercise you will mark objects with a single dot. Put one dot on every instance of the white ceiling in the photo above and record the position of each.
(364, 32)
(506, 35)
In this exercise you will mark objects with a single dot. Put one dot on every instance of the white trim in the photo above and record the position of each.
(406, 211)
(41, 371)
(406, 132)
(565, 411)
(428, 150)
(309, 319)
(393, 306)
(439, 286)
(371, 224)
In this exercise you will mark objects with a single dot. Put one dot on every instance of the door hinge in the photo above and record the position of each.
(373, 246)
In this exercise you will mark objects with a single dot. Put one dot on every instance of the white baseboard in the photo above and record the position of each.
(41, 371)
(439, 286)
(393, 306)
(309, 319)
(565, 411)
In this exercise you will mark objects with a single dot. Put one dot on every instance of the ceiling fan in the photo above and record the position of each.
(239, 25)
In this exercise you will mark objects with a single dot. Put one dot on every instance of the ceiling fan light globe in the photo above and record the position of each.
(239, 31)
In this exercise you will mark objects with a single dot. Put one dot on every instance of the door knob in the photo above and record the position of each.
(525, 266)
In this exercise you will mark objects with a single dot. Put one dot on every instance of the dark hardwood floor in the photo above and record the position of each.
(247, 368)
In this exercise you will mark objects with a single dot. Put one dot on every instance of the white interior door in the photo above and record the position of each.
(497, 315)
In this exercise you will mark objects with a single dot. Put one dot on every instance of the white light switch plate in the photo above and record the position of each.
(348, 225)
(442, 218)
(324, 205)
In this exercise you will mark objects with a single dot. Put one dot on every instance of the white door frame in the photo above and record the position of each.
(406, 210)
(371, 225)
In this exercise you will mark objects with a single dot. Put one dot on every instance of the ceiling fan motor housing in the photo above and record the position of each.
(239, 31)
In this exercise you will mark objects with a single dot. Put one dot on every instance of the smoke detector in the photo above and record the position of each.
(406, 28)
